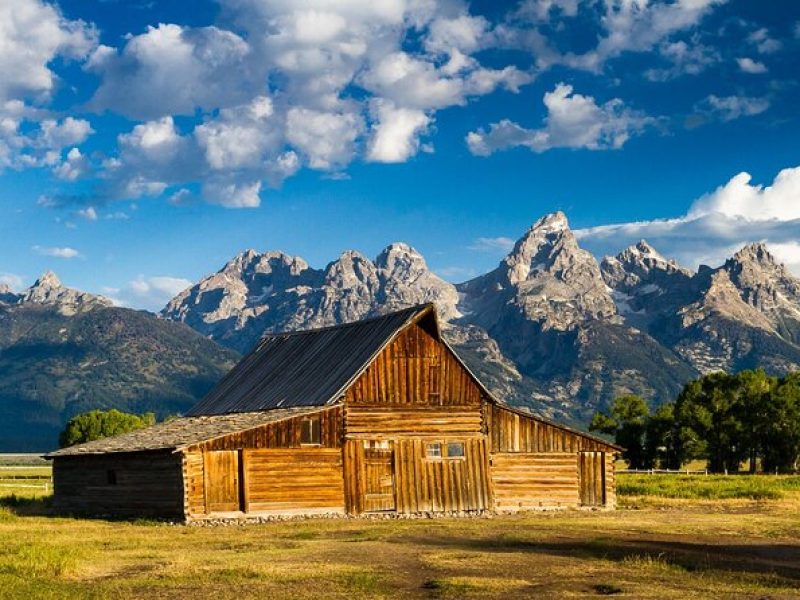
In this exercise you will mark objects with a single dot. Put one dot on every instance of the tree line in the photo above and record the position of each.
(728, 420)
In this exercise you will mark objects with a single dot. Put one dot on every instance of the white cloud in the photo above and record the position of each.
(765, 44)
(89, 213)
(730, 108)
(495, 244)
(342, 81)
(638, 26)
(233, 194)
(149, 293)
(573, 121)
(72, 167)
(57, 252)
(685, 58)
(717, 223)
(33, 34)
(12, 281)
(171, 70)
(327, 139)
(543, 10)
(748, 65)
(395, 133)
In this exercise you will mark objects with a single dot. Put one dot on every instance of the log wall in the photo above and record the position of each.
(392, 421)
(510, 431)
(424, 484)
(294, 480)
(534, 481)
(281, 434)
(415, 369)
(145, 484)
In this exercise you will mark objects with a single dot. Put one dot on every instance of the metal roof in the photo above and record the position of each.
(307, 368)
(180, 433)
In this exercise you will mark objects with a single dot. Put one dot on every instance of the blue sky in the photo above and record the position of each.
(143, 144)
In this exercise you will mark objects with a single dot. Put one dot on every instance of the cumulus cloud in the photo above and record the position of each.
(172, 70)
(149, 293)
(395, 132)
(72, 167)
(627, 26)
(718, 223)
(729, 108)
(543, 10)
(280, 86)
(573, 121)
(748, 65)
(57, 252)
(34, 33)
(27, 141)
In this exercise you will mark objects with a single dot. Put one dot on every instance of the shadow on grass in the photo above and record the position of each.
(23, 506)
(28, 506)
(778, 559)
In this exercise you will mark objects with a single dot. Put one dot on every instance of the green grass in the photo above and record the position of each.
(708, 487)
(684, 542)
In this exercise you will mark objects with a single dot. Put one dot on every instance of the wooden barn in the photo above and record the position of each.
(374, 416)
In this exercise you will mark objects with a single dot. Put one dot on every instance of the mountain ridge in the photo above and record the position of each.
(550, 326)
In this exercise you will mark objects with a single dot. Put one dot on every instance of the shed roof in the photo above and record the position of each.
(181, 433)
(308, 368)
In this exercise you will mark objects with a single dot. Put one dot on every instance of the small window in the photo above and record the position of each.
(433, 450)
(455, 450)
(111, 477)
(310, 431)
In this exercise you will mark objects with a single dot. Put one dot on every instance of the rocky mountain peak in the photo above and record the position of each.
(756, 253)
(48, 280)
(548, 246)
(48, 290)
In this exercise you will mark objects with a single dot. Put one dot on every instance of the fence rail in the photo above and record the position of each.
(668, 471)
(37, 486)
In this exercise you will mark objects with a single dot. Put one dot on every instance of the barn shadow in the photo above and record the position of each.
(778, 559)
(25, 506)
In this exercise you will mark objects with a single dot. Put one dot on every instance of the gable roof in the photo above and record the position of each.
(181, 433)
(309, 368)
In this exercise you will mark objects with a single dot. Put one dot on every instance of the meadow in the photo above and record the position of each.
(674, 536)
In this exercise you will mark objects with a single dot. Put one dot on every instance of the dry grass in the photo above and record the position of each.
(668, 548)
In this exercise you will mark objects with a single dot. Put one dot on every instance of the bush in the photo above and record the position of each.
(98, 424)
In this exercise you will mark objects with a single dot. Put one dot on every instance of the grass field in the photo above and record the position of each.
(664, 542)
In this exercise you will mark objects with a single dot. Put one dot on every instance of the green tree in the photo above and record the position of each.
(97, 424)
(662, 439)
(780, 441)
(707, 408)
(627, 422)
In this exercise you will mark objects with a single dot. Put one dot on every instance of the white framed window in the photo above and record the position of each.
(433, 450)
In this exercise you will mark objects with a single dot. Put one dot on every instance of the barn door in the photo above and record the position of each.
(592, 478)
(378, 485)
(221, 469)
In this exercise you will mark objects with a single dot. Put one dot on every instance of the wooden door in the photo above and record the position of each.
(592, 478)
(222, 487)
(378, 484)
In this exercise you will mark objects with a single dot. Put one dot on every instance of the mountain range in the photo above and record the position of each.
(550, 328)
(63, 352)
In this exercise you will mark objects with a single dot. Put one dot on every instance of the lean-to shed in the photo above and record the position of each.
(378, 415)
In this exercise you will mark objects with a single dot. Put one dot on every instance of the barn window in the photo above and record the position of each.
(455, 450)
(111, 477)
(433, 450)
(310, 431)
